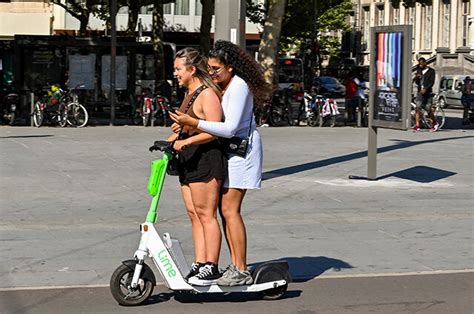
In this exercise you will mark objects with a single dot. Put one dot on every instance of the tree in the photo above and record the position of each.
(268, 49)
(157, 40)
(295, 31)
(208, 7)
(79, 9)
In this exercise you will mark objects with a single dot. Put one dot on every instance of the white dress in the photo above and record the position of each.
(237, 104)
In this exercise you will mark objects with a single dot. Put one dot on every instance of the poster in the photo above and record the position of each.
(82, 71)
(120, 72)
(390, 76)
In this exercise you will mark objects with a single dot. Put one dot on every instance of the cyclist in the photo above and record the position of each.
(424, 79)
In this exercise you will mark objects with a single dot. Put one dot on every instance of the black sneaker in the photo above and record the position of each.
(195, 266)
(208, 275)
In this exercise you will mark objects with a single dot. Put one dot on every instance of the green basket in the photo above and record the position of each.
(158, 169)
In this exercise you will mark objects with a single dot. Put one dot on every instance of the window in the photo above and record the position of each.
(379, 18)
(198, 8)
(365, 24)
(167, 8)
(442, 84)
(445, 22)
(465, 8)
(395, 16)
(181, 7)
(123, 10)
(449, 84)
(410, 20)
(427, 25)
(147, 9)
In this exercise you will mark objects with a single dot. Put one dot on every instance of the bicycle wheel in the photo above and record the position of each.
(146, 115)
(439, 116)
(62, 116)
(412, 116)
(38, 115)
(77, 115)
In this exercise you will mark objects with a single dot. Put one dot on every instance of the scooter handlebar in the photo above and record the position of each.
(161, 146)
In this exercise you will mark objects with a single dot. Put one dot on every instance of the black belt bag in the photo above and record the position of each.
(237, 145)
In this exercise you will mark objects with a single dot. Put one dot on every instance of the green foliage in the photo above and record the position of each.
(298, 26)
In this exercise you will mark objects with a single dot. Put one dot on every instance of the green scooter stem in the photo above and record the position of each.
(155, 184)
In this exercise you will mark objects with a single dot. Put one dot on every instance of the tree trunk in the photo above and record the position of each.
(208, 7)
(158, 51)
(84, 21)
(268, 49)
(133, 10)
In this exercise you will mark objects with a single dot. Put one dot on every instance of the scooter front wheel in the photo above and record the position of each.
(122, 291)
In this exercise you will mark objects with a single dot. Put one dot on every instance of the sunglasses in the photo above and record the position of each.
(215, 70)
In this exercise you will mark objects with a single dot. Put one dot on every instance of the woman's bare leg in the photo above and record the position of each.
(235, 232)
(205, 196)
(196, 226)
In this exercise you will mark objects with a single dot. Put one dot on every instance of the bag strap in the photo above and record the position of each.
(250, 126)
(194, 96)
(190, 103)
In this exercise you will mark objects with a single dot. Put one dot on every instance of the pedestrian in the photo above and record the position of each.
(202, 166)
(425, 79)
(360, 97)
(351, 97)
(466, 100)
(244, 87)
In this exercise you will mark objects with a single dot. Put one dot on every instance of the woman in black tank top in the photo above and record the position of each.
(202, 165)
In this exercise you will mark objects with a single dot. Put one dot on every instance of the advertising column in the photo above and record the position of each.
(390, 84)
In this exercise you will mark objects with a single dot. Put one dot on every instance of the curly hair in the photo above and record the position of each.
(192, 57)
(244, 66)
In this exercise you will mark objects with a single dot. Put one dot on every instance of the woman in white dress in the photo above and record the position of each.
(243, 85)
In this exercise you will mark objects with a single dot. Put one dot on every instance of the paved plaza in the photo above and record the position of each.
(72, 201)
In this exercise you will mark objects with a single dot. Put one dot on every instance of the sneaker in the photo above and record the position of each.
(435, 128)
(235, 277)
(228, 270)
(195, 267)
(416, 129)
(208, 275)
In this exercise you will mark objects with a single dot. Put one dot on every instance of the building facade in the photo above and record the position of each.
(40, 17)
(443, 33)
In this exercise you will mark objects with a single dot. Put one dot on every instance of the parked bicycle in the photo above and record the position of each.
(152, 110)
(425, 120)
(61, 107)
(321, 111)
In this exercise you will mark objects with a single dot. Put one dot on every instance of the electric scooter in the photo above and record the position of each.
(133, 281)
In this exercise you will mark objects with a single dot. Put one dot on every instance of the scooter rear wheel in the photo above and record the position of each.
(123, 293)
(273, 274)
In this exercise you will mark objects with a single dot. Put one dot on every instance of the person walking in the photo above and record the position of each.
(466, 100)
(202, 166)
(242, 82)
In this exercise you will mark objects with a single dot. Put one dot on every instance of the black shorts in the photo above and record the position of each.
(205, 162)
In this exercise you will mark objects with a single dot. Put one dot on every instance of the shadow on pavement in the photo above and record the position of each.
(27, 136)
(305, 268)
(401, 144)
(421, 174)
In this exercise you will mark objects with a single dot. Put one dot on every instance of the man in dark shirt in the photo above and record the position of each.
(466, 90)
(425, 78)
